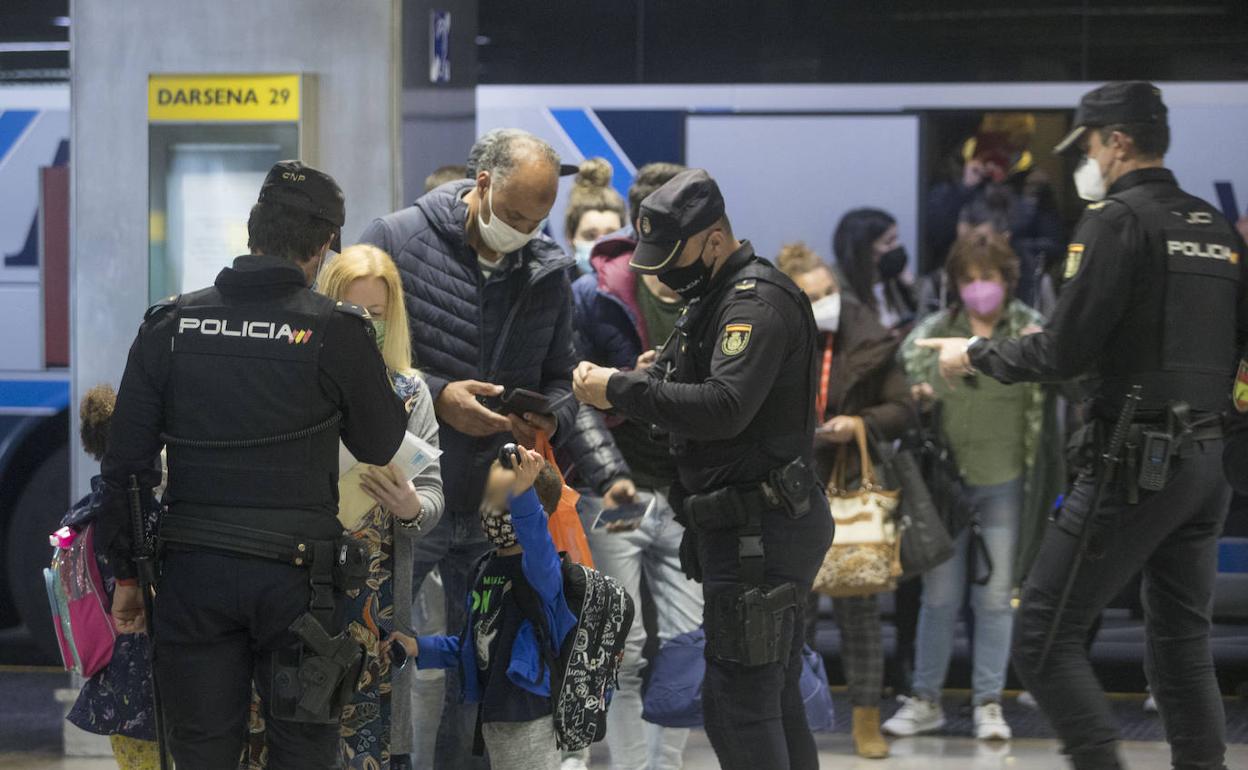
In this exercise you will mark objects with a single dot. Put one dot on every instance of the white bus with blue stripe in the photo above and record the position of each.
(34, 354)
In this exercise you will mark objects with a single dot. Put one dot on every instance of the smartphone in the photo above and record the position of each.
(518, 401)
(627, 515)
(1226, 197)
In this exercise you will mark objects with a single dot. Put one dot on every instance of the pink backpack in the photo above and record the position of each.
(80, 603)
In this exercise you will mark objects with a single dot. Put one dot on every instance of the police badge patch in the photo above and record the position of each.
(1240, 393)
(736, 338)
(1074, 258)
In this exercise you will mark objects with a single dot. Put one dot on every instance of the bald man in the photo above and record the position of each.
(490, 309)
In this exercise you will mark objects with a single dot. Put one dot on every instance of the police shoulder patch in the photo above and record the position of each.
(350, 309)
(1074, 258)
(161, 307)
(736, 339)
(1240, 392)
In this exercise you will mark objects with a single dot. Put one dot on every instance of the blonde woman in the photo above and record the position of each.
(377, 724)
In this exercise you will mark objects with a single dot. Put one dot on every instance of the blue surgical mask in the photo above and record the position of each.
(583, 250)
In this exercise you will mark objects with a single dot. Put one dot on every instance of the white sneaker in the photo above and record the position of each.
(573, 763)
(1150, 705)
(1024, 699)
(990, 724)
(915, 717)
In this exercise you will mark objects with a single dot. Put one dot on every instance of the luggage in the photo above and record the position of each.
(674, 695)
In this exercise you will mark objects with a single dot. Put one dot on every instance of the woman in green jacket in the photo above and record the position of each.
(1002, 439)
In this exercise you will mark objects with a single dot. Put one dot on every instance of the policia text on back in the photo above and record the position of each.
(249, 385)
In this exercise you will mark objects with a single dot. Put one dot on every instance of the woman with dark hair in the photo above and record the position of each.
(873, 265)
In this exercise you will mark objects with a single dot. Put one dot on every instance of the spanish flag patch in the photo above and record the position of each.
(1074, 258)
(736, 338)
(1240, 392)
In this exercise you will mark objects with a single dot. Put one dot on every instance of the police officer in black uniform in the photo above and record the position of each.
(1155, 298)
(249, 385)
(735, 389)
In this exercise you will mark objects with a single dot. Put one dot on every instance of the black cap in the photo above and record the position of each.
(689, 203)
(301, 187)
(1133, 101)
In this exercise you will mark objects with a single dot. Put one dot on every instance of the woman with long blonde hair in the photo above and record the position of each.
(377, 724)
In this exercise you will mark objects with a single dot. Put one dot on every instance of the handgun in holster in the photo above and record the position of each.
(752, 625)
(314, 679)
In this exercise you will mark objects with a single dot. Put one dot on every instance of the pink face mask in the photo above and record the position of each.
(982, 297)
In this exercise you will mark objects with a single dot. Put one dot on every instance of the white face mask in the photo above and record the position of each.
(498, 235)
(1089, 181)
(828, 313)
(583, 250)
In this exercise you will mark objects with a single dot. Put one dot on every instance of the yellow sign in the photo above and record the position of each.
(223, 98)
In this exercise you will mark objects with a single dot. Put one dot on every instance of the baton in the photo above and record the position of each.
(1109, 463)
(145, 559)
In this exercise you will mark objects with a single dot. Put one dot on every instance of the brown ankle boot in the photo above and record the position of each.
(868, 741)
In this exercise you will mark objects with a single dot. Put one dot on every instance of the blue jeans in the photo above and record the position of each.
(653, 549)
(454, 546)
(998, 509)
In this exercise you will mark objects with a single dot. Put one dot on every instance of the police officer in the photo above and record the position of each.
(249, 385)
(735, 389)
(1155, 298)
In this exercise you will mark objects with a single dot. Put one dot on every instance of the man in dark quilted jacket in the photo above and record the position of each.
(490, 309)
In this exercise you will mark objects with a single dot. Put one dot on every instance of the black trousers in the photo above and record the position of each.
(218, 619)
(754, 715)
(1172, 536)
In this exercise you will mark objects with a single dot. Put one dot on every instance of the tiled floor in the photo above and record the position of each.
(30, 734)
(911, 754)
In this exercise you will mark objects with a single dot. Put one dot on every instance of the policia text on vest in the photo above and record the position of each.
(734, 389)
(1154, 304)
(249, 385)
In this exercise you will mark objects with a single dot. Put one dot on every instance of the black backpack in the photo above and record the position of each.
(587, 669)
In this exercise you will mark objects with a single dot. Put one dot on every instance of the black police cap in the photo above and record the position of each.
(306, 189)
(689, 203)
(1133, 101)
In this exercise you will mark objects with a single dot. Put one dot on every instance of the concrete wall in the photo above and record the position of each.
(439, 120)
(439, 127)
(351, 47)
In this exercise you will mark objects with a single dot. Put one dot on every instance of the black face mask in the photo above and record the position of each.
(892, 263)
(690, 281)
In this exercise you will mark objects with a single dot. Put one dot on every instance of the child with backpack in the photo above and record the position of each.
(519, 618)
(117, 698)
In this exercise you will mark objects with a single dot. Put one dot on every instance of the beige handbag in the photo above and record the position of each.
(865, 557)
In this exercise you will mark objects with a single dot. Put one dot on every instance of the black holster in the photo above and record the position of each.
(313, 678)
(788, 488)
(752, 625)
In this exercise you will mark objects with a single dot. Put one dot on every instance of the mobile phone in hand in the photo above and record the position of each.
(626, 515)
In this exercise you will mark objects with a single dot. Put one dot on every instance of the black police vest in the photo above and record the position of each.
(1178, 340)
(783, 428)
(247, 424)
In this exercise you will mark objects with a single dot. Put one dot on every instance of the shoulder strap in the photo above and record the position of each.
(162, 307)
(346, 308)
